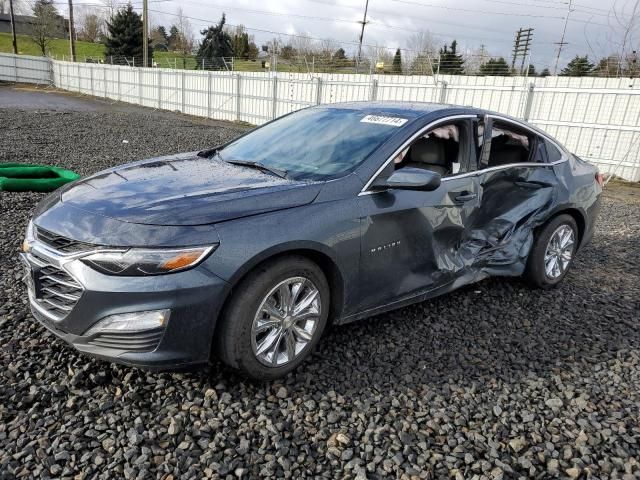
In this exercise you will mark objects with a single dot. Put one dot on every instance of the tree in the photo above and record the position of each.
(421, 53)
(215, 45)
(545, 73)
(396, 66)
(531, 70)
(450, 62)
(239, 41)
(252, 51)
(340, 54)
(474, 59)
(44, 24)
(159, 38)
(287, 52)
(495, 67)
(174, 37)
(607, 66)
(110, 8)
(124, 38)
(624, 23)
(578, 67)
(90, 25)
(183, 41)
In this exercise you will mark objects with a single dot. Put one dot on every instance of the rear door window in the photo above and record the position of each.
(553, 154)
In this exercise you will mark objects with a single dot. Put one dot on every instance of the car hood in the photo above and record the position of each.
(185, 189)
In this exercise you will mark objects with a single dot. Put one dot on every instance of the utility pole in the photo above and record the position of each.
(363, 23)
(145, 33)
(562, 43)
(72, 34)
(522, 46)
(13, 28)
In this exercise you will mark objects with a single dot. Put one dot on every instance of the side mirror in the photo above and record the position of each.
(409, 178)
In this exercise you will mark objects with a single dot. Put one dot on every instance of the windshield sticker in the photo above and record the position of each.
(391, 121)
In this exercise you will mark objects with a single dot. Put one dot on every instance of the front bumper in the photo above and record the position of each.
(68, 297)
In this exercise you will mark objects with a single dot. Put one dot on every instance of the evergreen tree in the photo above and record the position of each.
(215, 45)
(163, 32)
(578, 67)
(124, 36)
(532, 71)
(396, 66)
(450, 61)
(240, 42)
(174, 37)
(545, 73)
(340, 54)
(160, 39)
(495, 67)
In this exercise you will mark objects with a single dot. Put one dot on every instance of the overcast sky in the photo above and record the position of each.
(592, 28)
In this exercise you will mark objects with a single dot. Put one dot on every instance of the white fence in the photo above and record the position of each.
(596, 118)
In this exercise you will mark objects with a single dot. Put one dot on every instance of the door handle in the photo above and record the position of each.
(465, 197)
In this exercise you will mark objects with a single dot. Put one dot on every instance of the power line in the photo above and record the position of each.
(373, 23)
(492, 12)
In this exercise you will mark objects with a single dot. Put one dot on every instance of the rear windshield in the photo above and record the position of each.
(315, 143)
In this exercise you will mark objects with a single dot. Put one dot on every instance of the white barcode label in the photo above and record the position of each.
(391, 121)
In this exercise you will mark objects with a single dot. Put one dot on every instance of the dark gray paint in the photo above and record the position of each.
(380, 250)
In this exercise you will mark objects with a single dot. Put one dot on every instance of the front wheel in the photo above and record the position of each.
(553, 252)
(275, 318)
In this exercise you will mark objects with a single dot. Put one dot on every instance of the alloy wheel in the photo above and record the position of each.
(286, 321)
(559, 252)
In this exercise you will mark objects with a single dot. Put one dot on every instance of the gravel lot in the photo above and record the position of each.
(493, 381)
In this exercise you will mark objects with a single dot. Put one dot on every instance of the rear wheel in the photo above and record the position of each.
(274, 319)
(553, 252)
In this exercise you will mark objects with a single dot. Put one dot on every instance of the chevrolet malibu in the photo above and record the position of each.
(248, 250)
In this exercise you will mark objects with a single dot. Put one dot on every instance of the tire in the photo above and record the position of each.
(560, 257)
(245, 326)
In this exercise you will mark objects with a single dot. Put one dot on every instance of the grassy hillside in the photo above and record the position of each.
(58, 47)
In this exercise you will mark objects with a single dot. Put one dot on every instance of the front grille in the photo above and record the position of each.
(132, 342)
(58, 292)
(60, 243)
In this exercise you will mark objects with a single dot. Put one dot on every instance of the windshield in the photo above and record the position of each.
(315, 143)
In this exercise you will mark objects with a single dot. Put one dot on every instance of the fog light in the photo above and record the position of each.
(131, 322)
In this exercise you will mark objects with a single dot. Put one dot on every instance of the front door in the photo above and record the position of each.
(410, 240)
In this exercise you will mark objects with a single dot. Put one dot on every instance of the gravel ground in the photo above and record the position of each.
(493, 381)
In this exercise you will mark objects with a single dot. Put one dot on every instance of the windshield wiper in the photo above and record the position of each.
(258, 166)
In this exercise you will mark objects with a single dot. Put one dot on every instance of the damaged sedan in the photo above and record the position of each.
(249, 250)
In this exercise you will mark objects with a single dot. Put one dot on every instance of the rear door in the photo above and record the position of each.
(517, 183)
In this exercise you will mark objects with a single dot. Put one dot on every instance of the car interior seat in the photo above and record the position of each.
(429, 154)
(504, 153)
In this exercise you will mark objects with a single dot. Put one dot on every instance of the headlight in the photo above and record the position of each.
(29, 237)
(143, 261)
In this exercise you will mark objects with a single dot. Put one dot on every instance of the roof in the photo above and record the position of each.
(406, 109)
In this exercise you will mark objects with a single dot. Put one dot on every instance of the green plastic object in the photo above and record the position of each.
(25, 177)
